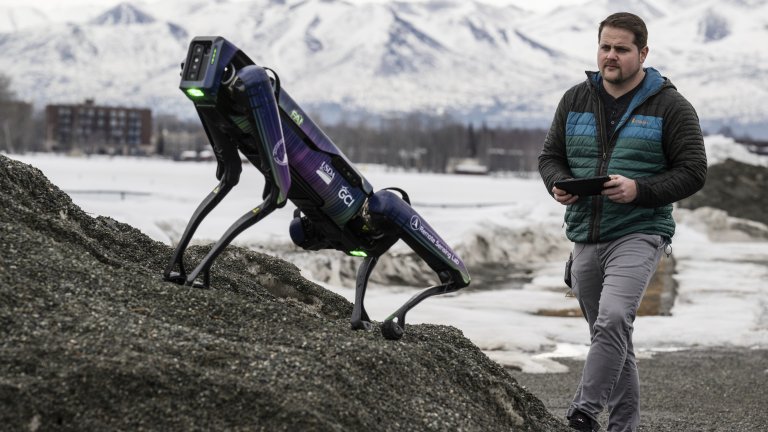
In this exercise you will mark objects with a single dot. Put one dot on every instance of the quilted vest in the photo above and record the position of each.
(633, 150)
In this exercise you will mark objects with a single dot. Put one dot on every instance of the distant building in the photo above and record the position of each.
(91, 128)
(466, 166)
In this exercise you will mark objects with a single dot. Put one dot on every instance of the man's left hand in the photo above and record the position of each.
(620, 189)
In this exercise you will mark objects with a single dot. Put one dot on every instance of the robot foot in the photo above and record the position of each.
(176, 277)
(362, 325)
(391, 330)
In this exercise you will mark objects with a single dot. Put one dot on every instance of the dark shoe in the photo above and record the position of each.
(580, 422)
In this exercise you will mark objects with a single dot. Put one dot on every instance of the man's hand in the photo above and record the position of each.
(564, 197)
(620, 189)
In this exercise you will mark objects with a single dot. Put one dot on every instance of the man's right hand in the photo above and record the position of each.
(564, 197)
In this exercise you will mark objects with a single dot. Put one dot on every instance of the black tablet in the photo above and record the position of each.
(583, 186)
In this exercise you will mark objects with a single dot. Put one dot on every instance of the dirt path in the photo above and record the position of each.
(686, 391)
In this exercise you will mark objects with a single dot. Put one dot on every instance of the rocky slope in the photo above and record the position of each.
(92, 338)
(736, 187)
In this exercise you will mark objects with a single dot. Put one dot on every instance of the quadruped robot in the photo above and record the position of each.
(244, 109)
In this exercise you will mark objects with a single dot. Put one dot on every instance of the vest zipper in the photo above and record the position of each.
(597, 201)
(605, 144)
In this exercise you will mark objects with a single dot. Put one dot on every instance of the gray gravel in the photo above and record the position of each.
(92, 338)
(723, 390)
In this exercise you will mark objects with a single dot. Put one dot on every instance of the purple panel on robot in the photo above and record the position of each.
(397, 210)
(341, 200)
(265, 113)
(429, 238)
(316, 135)
(306, 124)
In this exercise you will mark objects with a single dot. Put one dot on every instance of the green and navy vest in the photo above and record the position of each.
(633, 150)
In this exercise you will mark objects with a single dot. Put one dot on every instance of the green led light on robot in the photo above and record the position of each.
(358, 253)
(195, 92)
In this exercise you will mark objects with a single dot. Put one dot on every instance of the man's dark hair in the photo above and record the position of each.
(629, 22)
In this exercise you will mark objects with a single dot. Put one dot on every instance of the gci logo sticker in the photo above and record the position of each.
(346, 197)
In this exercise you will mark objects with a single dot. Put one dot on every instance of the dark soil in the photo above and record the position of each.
(736, 187)
(92, 338)
(712, 390)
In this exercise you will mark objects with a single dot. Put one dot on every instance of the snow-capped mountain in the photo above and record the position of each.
(123, 14)
(503, 65)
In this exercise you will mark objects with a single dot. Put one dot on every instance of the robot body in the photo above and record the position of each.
(244, 110)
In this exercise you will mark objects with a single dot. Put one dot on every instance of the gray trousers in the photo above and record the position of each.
(609, 280)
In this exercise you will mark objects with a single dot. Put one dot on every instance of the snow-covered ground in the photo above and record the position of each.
(722, 298)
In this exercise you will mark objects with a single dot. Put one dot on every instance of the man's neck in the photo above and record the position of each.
(618, 90)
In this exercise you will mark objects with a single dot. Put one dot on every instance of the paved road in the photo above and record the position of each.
(696, 391)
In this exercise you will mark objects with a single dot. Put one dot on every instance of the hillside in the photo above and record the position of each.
(736, 187)
(94, 339)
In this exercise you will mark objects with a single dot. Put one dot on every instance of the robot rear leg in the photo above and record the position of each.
(388, 211)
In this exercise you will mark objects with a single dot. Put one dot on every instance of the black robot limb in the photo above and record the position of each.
(205, 207)
(245, 95)
(360, 319)
(247, 220)
(390, 213)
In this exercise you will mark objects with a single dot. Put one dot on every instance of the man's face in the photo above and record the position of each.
(618, 58)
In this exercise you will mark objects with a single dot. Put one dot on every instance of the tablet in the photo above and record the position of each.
(583, 186)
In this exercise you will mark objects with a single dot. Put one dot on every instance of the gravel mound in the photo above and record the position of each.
(92, 338)
(736, 187)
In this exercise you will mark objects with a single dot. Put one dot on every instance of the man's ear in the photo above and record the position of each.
(643, 53)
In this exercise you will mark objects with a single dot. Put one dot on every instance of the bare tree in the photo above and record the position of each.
(16, 125)
(6, 94)
(426, 143)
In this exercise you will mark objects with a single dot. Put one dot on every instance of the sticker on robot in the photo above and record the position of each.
(346, 197)
(279, 154)
(416, 225)
(326, 173)
(297, 118)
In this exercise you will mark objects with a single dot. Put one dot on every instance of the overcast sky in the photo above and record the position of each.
(537, 5)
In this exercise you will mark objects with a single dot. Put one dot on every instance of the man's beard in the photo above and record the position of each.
(618, 80)
(619, 77)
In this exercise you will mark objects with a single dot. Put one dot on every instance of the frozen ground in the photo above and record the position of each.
(722, 271)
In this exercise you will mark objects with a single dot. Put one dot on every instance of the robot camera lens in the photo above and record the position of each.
(229, 74)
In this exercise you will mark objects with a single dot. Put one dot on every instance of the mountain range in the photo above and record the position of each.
(502, 65)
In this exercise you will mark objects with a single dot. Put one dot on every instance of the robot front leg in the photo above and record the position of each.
(245, 221)
(205, 207)
(389, 211)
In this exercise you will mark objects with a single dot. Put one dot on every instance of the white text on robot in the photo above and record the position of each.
(418, 226)
(346, 196)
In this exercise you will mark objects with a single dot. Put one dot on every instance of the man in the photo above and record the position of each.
(630, 123)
